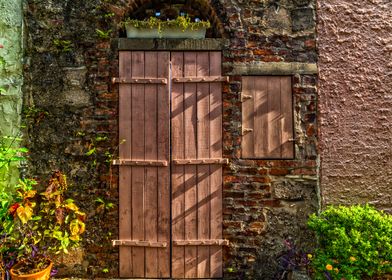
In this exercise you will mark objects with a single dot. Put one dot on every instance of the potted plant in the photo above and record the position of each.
(38, 225)
(153, 27)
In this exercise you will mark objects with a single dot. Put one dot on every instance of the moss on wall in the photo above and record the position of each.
(10, 71)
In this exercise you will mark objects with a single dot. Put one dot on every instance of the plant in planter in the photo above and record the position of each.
(354, 243)
(38, 225)
(181, 27)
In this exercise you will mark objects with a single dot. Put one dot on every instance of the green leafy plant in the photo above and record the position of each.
(44, 222)
(354, 242)
(183, 22)
(10, 153)
(103, 205)
(63, 45)
(103, 34)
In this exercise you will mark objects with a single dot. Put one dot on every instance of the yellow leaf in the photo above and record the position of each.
(81, 214)
(30, 194)
(74, 227)
(71, 206)
(74, 237)
(24, 213)
(77, 227)
(82, 227)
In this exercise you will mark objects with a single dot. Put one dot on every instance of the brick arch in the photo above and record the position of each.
(207, 10)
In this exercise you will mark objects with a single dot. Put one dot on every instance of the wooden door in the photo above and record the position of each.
(144, 184)
(170, 230)
(196, 165)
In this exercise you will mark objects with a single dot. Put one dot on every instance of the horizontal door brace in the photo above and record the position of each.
(139, 243)
(201, 161)
(201, 79)
(139, 81)
(140, 162)
(208, 242)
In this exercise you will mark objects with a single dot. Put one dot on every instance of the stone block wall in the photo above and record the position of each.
(72, 123)
(355, 101)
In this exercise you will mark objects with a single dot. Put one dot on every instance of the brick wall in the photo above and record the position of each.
(355, 101)
(67, 80)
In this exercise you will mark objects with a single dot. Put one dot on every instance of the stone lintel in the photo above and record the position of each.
(271, 68)
(208, 44)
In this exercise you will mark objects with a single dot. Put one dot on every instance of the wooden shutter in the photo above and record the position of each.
(196, 168)
(144, 172)
(267, 117)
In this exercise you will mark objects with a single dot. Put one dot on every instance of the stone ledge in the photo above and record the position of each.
(208, 44)
(271, 68)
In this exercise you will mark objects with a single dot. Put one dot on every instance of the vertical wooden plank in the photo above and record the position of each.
(125, 197)
(203, 151)
(287, 117)
(138, 152)
(163, 173)
(190, 124)
(125, 101)
(260, 132)
(274, 118)
(247, 143)
(151, 153)
(177, 119)
(216, 170)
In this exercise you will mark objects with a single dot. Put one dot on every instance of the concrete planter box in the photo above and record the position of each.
(167, 32)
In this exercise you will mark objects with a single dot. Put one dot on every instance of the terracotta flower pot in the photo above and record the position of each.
(41, 275)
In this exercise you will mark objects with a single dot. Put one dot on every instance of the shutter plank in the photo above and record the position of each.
(125, 198)
(261, 114)
(138, 152)
(163, 173)
(125, 220)
(178, 200)
(216, 170)
(151, 175)
(274, 118)
(287, 118)
(203, 151)
(190, 125)
(247, 145)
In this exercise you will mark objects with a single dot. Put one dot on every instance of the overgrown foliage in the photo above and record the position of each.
(36, 224)
(354, 242)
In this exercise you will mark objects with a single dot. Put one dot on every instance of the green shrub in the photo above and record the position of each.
(354, 242)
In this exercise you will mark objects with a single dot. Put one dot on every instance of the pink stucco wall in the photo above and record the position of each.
(355, 89)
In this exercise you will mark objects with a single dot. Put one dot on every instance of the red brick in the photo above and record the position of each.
(262, 52)
(279, 171)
